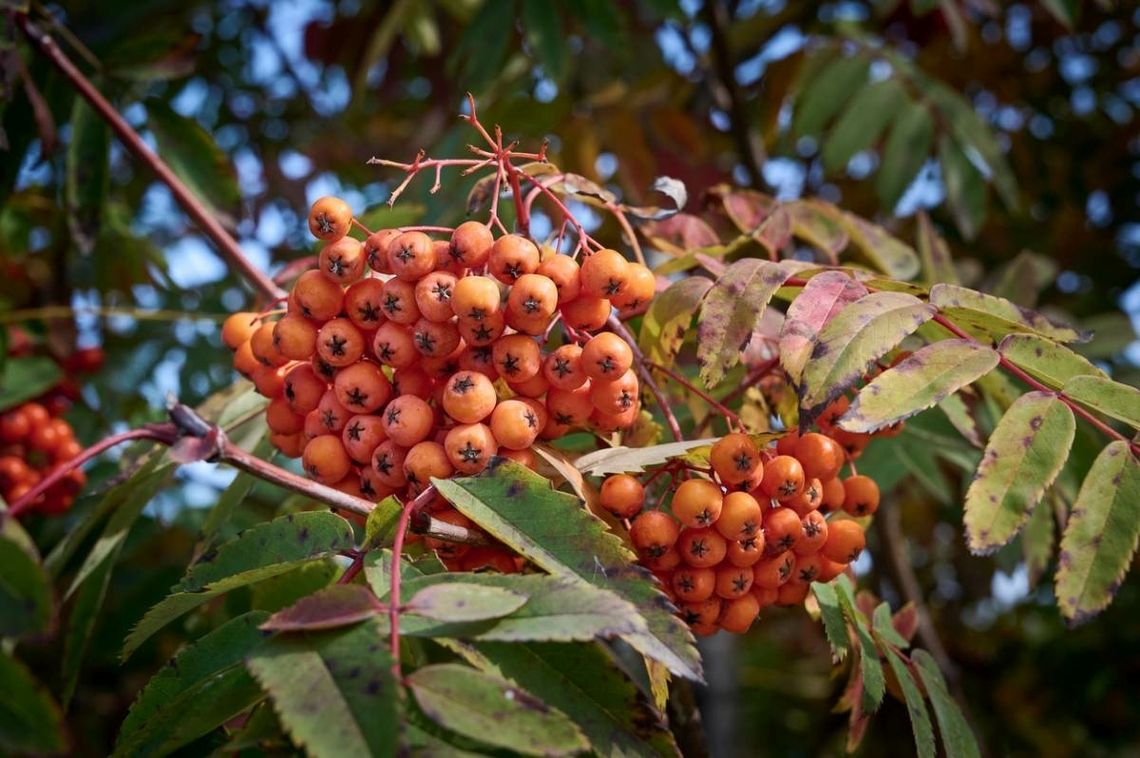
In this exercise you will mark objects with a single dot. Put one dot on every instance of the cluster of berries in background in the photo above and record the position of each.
(35, 439)
(401, 357)
(752, 529)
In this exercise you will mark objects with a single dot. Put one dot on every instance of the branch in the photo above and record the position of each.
(642, 366)
(227, 245)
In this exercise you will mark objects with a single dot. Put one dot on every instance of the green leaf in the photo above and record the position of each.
(588, 685)
(493, 711)
(1037, 541)
(153, 55)
(921, 380)
(996, 316)
(867, 115)
(621, 460)
(26, 378)
(385, 216)
(1024, 277)
(333, 691)
(1113, 399)
(884, 627)
(886, 252)
(958, 414)
(380, 528)
(667, 321)
(30, 721)
(874, 682)
(264, 551)
(731, 311)
(826, 93)
(233, 495)
(819, 224)
(861, 333)
(557, 609)
(80, 625)
(957, 739)
(906, 150)
(832, 614)
(1024, 455)
(544, 36)
(968, 129)
(88, 173)
(965, 187)
(328, 608)
(178, 689)
(459, 602)
(1046, 360)
(481, 51)
(937, 265)
(196, 158)
(26, 603)
(822, 297)
(551, 529)
(915, 707)
(1100, 537)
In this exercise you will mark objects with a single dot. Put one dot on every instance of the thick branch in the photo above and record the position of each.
(194, 208)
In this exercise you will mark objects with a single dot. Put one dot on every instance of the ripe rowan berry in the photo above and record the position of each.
(782, 529)
(290, 445)
(783, 478)
(325, 459)
(302, 388)
(697, 503)
(411, 256)
(281, 419)
(511, 257)
(470, 244)
(829, 569)
(484, 557)
(470, 447)
(388, 463)
(607, 423)
(586, 312)
(239, 327)
(393, 345)
(732, 581)
(424, 461)
(376, 249)
(622, 495)
(433, 295)
(317, 297)
(469, 397)
(786, 445)
(807, 568)
(704, 612)
(362, 387)
(408, 420)
(330, 218)
(570, 407)
(364, 304)
(534, 297)
(831, 414)
(333, 416)
(701, 548)
(772, 572)
(792, 593)
(515, 424)
(640, 287)
(737, 615)
(371, 488)
(412, 380)
(845, 540)
(524, 457)
(322, 369)
(263, 347)
(339, 343)
(814, 534)
(606, 357)
(735, 458)
(861, 495)
(693, 584)
(14, 426)
(740, 517)
(361, 436)
(654, 532)
(295, 337)
(809, 499)
(532, 388)
(342, 261)
(604, 274)
(244, 361)
(313, 426)
(517, 357)
(479, 358)
(484, 332)
(563, 368)
(399, 302)
(566, 275)
(475, 298)
(820, 456)
(747, 551)
(833, 495)
(765, 596)
(617, 396)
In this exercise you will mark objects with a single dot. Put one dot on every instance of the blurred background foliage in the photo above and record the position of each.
(1013, 125)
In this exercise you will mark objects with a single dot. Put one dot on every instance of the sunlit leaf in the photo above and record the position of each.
(996, 316)
(1113, 399)
(885, 252)
(1046, 360)
(667, 321)
(822, 297)
(620, 460)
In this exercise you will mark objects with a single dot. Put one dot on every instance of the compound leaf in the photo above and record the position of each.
(1046, 360)
(995, 317)
(822, 297)
(667, 321)
(1113, 399)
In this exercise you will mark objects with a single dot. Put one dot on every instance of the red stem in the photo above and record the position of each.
(394, 601)
(728, 414)
(353, 569)
(194, 208)
(640, 364)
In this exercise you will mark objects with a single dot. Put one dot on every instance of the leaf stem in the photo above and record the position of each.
(394, 603)
(729, 415)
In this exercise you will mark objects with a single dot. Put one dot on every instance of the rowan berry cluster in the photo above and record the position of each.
(758, 531)
(34, 441)
(402, 357)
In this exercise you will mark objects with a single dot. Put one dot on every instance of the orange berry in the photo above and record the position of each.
(339, 343)
(782, 529)
(295, 337)
(701, 548)
(469, 447)
(697, 503)
(738, 615)
(361, 436)
(765, 596)
(426, 460)
(693, 584)
(333, 416)
(565, 273)
(807, 568)
(783, 478)
(606, 357)
(845, 540)
(393, 345)
(704, 612)
(342, 261)
(622, 495)
(515, 424)
(269, 381)
(735, 458)
(408, 420)
(861, 495)
(475, 298)
(399, 302)
(517, 357)
(479, 358)
(820, 456)
(532, 388)
(533, 298)
(524, 457)
(290, 445)
(325, 460)
(362, 387)
(434, 339)
(364, 304)
(14, 426)
(281, 419)
(302, 388)
(511, 257)
(809, 499)
(433, 295)
(469, 397)
(607, 423)
(412, 380)
(654, 532)
(263, 347)
(792, 593)
(484, 332)
(746, 552)
(772, 572)
(604, 274)
(786, 445)
(832, 413)
(570, 407)
(733, 581)
(317, 297)
(617, 396)
(832, 495)
(814, 534)
(563, 368)
(239, 327)
(586, 312)
(376, 249)
(640, 287)
(411, 256)
(470, 244)
(740, 517)
(388, 463)
(330, 218)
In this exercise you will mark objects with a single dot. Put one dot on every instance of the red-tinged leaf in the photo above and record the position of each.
(747, 209)
(731, 311)
(820, 225)
(667, 321)
(996, 317)
(680, 233)
(339, 605)
(905, 621)
(824, 295)
(887, 253)
(710, 264)
(459, 602)
(775, 231)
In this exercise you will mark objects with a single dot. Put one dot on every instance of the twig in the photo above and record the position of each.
(394, 602)
(641, 364)
(194, 208)
(731, 416)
